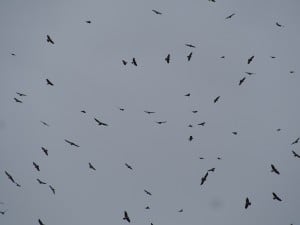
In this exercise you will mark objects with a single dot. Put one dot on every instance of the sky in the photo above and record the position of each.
(85, 66)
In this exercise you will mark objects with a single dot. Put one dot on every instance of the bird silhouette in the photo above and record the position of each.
(295, 154)
(230, 16)
(83, 111)
(242, 81)
(40, 182)
(278, 129)
(274, 169)
(50, 40)
(52, 189)
(296, 141)
(126, 217)
(191, 138)
(156, 12)
(88, 21)
(279, 25)
(194, 111)
(188, 95)
(121, 109)
(134, 62)
(248, 203)
(18, 100)
(91, 166)
(161, 122)
(189, 56)
(100, 123)
(147, 192)
(202, 124)
(124, 62)
(149, 112)
(190, 45)
(45, 151)
(250, 59)
(180, 210)
(10, 177)
(222, 57)
(273, 57)
(3, 212)
(234, 133)
(13, 54)
(128, 166)
(217, 99)
(44, 123)
(40, 222)
(201, 157)
(49, 82)
(249, 73)
(72, 143)
(147, 207)
(36, 166)
(168, 58)
(203, 179)
(212, 0)
(190, 125)
(275, 197)
(211, 170)
(21, 94)
(292, 72)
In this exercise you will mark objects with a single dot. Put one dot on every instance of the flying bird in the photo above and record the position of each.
(91, 166)
(13, 54)
(126, 217)
(124, 62)
(44, 123)
(180, 210)
(147, 207)
(18, 100)
(201, 157)
(49, 82)
(212, 0)
(83, 111)
(295, 154)
(242, 81)
(250, 59)
(40, 222)
(128, 166)
(36, 166)
(50, 40)
(190, 45)
(100, 123)
(3, 212)
(203, 179)
(52, 189)
(275, 197)
(292, 71)
(194, 111)
(248, 203)
(230, 16)
(88, 21)
(279, 25)
(156, 12)
(40, 182)
(191, 138)
(188, 95)
(21, 94)
(278, 129)
(161, 122)
(222, 57)
(219, 158)
(147, 192)
(249, 73)
(190, 125)
(234, 133)
(211, 170)
(273, 57)
(10, 177)
(149, 112)
(201, 124)
(134, 62)
(217, 99)
(72, 143)
(168, 58)
(121, 109)
(45, 151)
(296, 141)
(274, 169)
(189, 56)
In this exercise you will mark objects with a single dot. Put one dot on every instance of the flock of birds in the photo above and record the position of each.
(20, 98)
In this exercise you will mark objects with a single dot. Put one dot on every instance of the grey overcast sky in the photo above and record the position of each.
(85, 65)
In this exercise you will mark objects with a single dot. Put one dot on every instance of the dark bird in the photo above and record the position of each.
(128, 166)
(121, 109)
(191, 138)
(201, 157)
(149, 112)
(273, 57)
(49, 82)
(21, 94)
(100, 123)
(168, 58)
(189, 56)
(292, 72)
(40, 222)
(194, 111)
(45, 151)
(18, 100)
(278, 129)
(13, 54)
(242, 81)
(180, 210)
(91, 166)
(10, 177)
(88, 21)
(219, 158)
(274, 169)
(124, 62)
(126, 217)
(18, 185)
(212, 0)
(52, 189)
(211, 170)
(190, 125)
(250, 59)
(40, 182)
(72, 143)
(203, 179)
(190, 45)
(230, 16)
(147, 192)
(222, 57)
(147, 207)
(296, 141)
(83, 111)
(36, 166)
(134, 62)
(249, 73)
(234, 133)
(279, 25)
(156, 12)
(295, 154)
(50, 40)
(161, 122)
(3, 212)
(188, 95)
(44, 123)
(217, 99)
(275, 197)
(248, 203)
(201, 124)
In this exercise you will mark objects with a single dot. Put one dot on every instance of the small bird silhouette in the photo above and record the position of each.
(9, 176)
(147, 192)
(292, 71)
(191, 138)
(21, 94)
(49, 82)
(279, 25)
(180, 210)
(296, 141)
(211, 170)
(18, 100)
(242, 81)
(149, 112)
(83, 111)
(274, 169)
(168, 58)
(156, 12)
(88, 21)
(3, 212)
(45, 151)
(217, 99)
(50, 40)
(190, 125)
(134, 62)
(13, 54)
(72, 143)
(126, 217)
(194, 111)
(248, 203)
(249, 73)
(147, 207)
(190, 45)
(91, 166)
(40, 222)
(275, 197)
(250, 59)
(52, 189)
(121, 109)
(203, 179)
(44, 123)
(295, 154)
(189, 56)
(212, 0)
(124, 62)
(161, 122)
(222, 57)
(202, 124)
(40, 181)
(230, 16)
(234, 133)
(100, 123)
(273, 57)
(36, 166)
(128, 166)
(188, 95)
